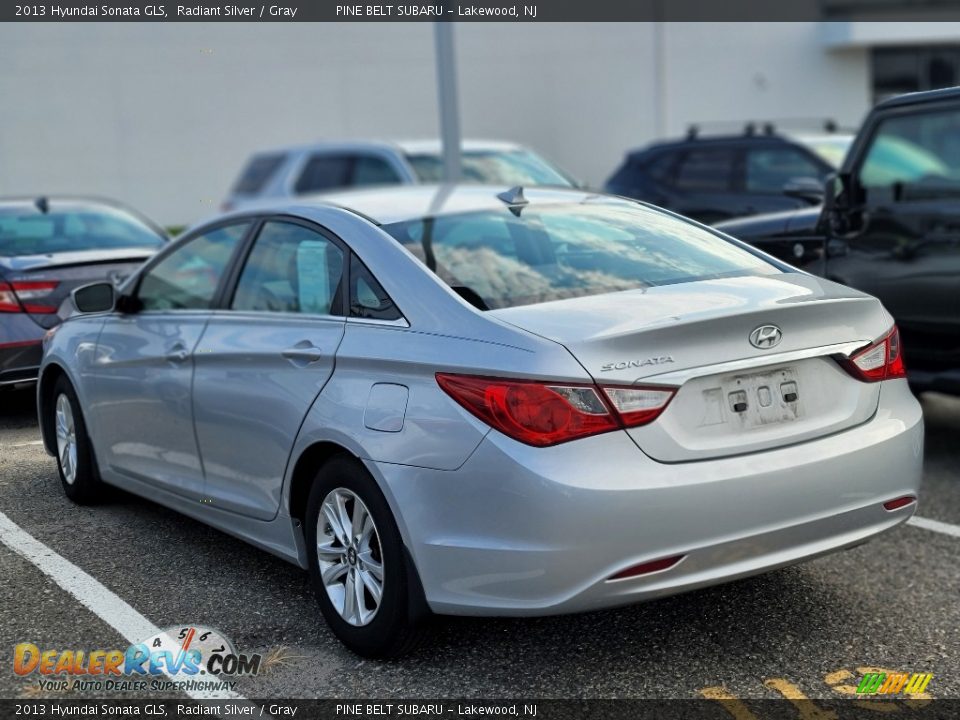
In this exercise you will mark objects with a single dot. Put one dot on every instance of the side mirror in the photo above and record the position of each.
(94, 298)
(808, 189)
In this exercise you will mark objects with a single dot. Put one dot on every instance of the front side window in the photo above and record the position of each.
(291, 269)
(187, 278)
(770, 169)
(497, 259)
(915, 156)
(706, 170)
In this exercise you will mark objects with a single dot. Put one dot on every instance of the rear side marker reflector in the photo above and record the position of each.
(548, 413)
(899, 502)
(647, 567)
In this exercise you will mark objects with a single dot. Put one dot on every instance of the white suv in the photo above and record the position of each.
(324, 167)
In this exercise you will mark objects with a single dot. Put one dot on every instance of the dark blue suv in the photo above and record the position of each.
(720, 177)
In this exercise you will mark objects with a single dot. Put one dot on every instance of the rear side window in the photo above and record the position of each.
(24, 230)
(368, 299)
(661, 168)
(324, 172)
(257, 173)
(553, 252)
(291, 269)
(706, 170)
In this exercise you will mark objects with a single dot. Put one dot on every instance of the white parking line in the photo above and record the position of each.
(103, 603)
(935, 526)
(26, 444)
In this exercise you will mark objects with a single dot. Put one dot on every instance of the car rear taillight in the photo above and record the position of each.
(543, 413)
(26, 296)
(883, 360)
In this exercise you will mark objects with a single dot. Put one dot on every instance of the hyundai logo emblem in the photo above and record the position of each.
(766, 337)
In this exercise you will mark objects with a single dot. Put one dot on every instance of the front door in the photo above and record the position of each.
(906, 244)
(143, 418)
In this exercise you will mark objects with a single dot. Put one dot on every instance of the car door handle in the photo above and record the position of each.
(303, 351)
(178, 353)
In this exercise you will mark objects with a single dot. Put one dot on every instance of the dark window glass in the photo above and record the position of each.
(188, 277)
(65, 227)
(324, 172)
(769, 169)
(257, 172)
(661, 168)
(706, 170)
(291, 269)
(915, 156)
(562, 251)
(368, 170)
(368, 299)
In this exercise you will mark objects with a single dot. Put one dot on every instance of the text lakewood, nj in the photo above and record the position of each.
(438, 11)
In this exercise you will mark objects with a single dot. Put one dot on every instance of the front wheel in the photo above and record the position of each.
(358, 566)
(78, 472)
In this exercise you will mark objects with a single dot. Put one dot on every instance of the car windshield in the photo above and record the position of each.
(25, 230)
(492, 167)
(505, 257)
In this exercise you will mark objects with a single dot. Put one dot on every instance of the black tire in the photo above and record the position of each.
(86, 487)
(399, 624)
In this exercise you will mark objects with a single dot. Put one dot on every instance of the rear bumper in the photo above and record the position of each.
(523, 531)
(21, 349)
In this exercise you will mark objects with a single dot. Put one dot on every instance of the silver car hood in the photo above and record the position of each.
(627, 336)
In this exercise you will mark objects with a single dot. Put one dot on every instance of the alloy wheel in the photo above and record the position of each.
(66, 438)
(350, 556)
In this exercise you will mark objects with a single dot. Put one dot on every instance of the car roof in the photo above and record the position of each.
(425, 146)
(701, 141)
(919, 97)
(399, 203)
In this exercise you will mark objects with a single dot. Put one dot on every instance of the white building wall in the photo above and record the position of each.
(162, 116)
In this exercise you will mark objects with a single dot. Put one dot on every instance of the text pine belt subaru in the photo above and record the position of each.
(488, 401)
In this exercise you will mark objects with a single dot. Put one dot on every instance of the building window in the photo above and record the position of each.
(904, 69)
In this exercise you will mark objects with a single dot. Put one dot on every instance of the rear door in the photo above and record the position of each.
(906, 246)
(143, 373)
(263, 359)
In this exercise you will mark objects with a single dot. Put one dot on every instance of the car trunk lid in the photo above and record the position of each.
(43, 283)
(732, 397)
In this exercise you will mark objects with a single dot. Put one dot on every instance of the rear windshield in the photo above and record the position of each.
(498, 259)
(27, 231)
(514, 167)
(256, 174)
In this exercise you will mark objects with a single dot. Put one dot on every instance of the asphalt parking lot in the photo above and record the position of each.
(805, 630)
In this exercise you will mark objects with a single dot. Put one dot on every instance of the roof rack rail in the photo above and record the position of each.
(766, 127)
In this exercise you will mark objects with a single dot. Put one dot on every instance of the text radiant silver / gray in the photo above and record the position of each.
(470, 401)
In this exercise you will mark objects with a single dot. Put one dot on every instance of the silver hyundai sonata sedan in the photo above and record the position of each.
(483, 401)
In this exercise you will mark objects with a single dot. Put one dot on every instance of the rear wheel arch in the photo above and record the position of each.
(305, 471)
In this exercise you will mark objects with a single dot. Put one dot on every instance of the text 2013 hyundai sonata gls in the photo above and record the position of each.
(490, 402)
